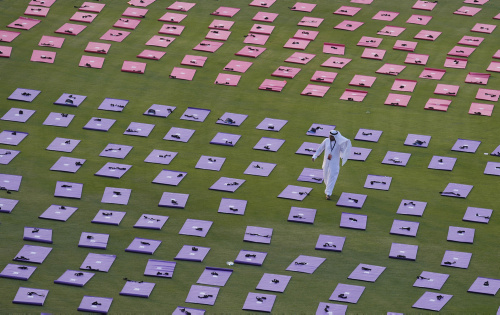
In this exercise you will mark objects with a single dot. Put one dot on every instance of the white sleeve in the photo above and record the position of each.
(345, 151)
(320, 149)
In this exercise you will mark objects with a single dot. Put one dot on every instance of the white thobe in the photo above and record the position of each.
(339, 149)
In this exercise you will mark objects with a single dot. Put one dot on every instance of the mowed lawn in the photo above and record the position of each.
(393, 290)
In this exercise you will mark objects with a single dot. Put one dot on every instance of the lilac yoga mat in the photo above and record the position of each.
(305, 264)
(259, 302)
(347, 293)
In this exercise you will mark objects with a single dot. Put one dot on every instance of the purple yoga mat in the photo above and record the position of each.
(138, 289)
(347, 293)
(412, 207)
(18, 272)
(99, 124)
(259, 302)
(405, 228)
(295, 192)
(305, 264)
(159, 110)
(113, 104)
(160, 157)
(30, 296)
(330, 243)
(359, 154)
(116, 151)
(98, 262)
(302, 215)
(351, 200)
(496, 152)
(181, 310)
(461, 234)
(63, 145)
(257, 234)
(67, 164)
(227, 184)
(308, 148)
(232, 206)
(417, 140)
(173, 200)
(160, 268)
(320, 130)
(58, 213)
(143, 246)
(431, 280)
(200, 294)
(442, 163)
(195, 114)
(93, 240)
(215, 276)
(196, 227)
(68, 190)
(11, 137)
(353, 221)
(396, 158)
(225, 139)
(485, 286)
(113, 170)
(7, 205)
(192, 253)
(364, 272)
(149, 221)
(231, 119)
(74, 278)
(139, 129)
(269, 144)
(378, 182)
(311, 175)
(6, 156)
(33, 254)
(24, 95)
(272, 124)
(168, 177)
(211, 163)
(109, 217)
(368, 135)
(95, 304)
(432, 301)
(273, 282)
(492, 168)
(403, 251)
(119, 196)
(331, 308)
(479, 215)
(18, 115)
(70, 100)
(10, 182)
(179, 134)
(37, 235)
(247, 257)
(463, 145)
(456, 259)
(456, 190)
(260, 169)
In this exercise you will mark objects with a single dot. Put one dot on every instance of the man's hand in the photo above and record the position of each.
(313, 159)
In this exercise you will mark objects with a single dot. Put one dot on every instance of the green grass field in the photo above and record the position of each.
(392, 292)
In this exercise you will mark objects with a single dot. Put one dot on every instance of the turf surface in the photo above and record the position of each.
(392, 292)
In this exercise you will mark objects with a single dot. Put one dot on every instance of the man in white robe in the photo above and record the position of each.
(336, 147)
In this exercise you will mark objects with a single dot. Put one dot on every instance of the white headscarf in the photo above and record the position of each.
(345, 146)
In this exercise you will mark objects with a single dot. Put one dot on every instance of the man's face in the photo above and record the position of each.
(332, 138)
